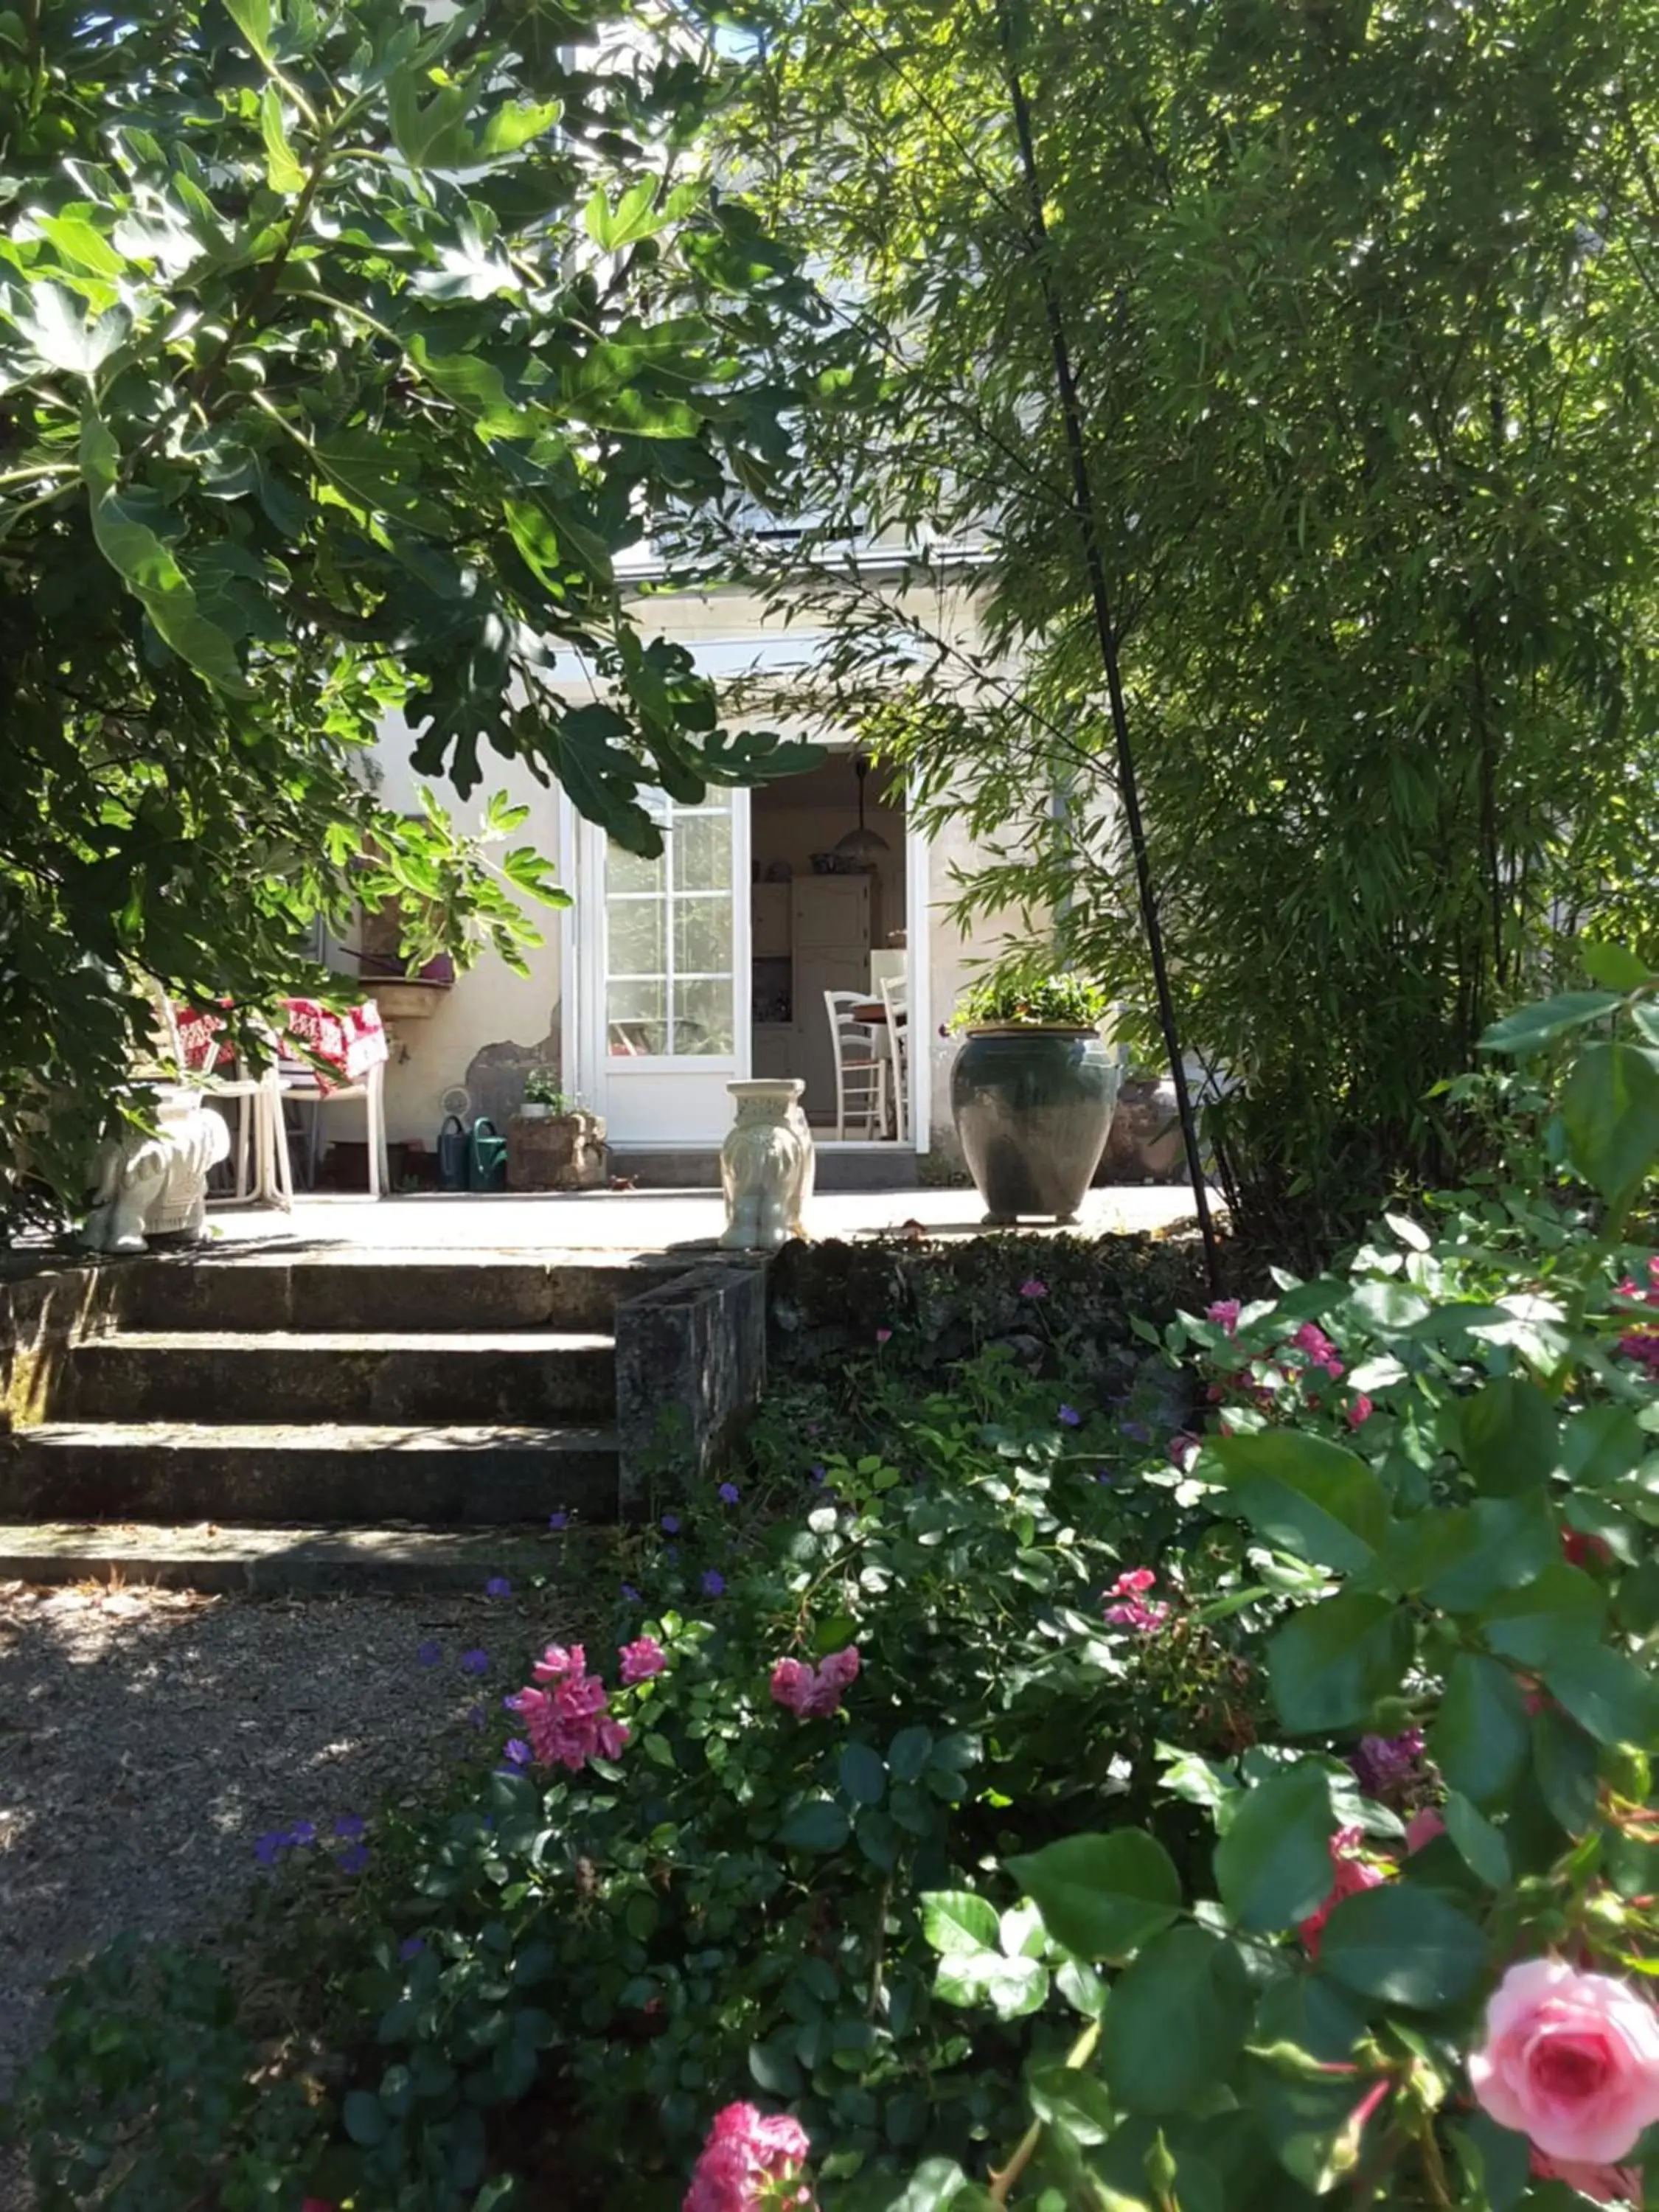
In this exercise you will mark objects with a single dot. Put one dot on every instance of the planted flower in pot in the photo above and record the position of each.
(1032, 1090)
(553, 1143)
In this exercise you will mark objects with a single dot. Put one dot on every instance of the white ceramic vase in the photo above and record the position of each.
(766, 1166)
(156, 1186)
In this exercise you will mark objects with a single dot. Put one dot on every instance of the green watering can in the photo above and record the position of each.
(486, 1156)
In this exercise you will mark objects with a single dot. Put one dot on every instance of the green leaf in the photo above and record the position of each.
(1608, 1694)
(1307, 1496)
(1482, 1846)
(1530, 1028)
(55, 324)
(1505, 1435)
(1102, 1897)
(1273, 1868)
(1610, 1111)
(1612, 966)
(1497, 1544)
(820, 1825)
(934, 2187)
(1559, 1609)
(1176, 2020)
(909, 1753)
(1563, 1759)
(1601, 1444)
(1481, 1738)
(283, 172)
(957, 1920)
(774, 2067)
(1329, 1664)
(1012, 1987)
(1405, 1944)
(78, 241)
(863, 1775)
(1068, 2097)
(365, 2117)
(149, 569)
(517, 123)
(252, 19)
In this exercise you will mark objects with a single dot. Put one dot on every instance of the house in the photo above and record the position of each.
(664, 982)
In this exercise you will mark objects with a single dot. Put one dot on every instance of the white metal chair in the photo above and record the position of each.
(895, 997)
(258, 1141)
(861, 1062)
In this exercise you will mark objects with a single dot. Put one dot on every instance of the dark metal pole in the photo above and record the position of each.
(1083, 500)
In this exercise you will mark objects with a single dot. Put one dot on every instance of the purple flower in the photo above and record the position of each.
(475, 1661)
(631, 1594)
(884, 1336)
(430, 1652)
(728, 1493)
(517, 1751)
(672, 1555)
(1137, 1432)
(1035, 1288)
(349, 1826)
(556, 1521)
(353, 1860)
(714, 1582)
(816, 1471)
(1071, 1417)
(671, 1524)
(270, 1847)
(498, 1586)
(1383, 1762)
(1102, 1474)
(474, 1716)
(411, 1946)
(303, 1831)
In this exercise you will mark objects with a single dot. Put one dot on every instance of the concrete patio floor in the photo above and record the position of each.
(650, 1220)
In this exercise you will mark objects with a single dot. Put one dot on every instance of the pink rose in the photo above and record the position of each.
(1352, 1873)
(1607, 2184)
(641, 1660)
(1423, 1827)
(814, 1692)
(1570, 2061)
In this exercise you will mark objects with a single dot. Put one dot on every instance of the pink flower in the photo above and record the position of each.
(1570, 2061)
(641, 1660)
(1035, 1288)
(1423, 1827)
(884, 1336)
(1607, 2184)
(750, 2158)
(1224, 1314)
(1360, 1412)
(1353, 1874)
(570, 1723)
(1133, 1610)
(813, 1693)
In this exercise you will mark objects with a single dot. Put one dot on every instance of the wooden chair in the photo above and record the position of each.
(861, 1063)
(895, 997)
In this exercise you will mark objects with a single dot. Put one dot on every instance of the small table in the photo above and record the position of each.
(871, 1014)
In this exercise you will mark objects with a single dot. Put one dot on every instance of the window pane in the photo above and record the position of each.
(704, 1021)
(702, 846)
(636, 1016)
(627, 872)
(702, 936)
(636, 937)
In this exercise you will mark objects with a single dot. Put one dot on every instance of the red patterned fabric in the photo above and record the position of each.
(351, 1041)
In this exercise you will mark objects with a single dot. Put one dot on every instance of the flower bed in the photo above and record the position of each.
(1220, 1794)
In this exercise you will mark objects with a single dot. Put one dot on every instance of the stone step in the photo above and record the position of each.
(231, 1375)
(322, 1472)
(429, 1291)
(269, 1562)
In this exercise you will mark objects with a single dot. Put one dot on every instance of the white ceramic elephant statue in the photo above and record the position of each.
(146, 1185)
(766, 1167)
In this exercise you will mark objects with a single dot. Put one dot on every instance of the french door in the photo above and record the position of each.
(662, 949)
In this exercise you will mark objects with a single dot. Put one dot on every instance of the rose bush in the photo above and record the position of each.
(1207, 1796)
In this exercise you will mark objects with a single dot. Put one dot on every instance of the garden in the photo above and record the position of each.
(1204, 1766)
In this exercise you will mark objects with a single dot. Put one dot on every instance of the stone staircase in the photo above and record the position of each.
(323, 1419)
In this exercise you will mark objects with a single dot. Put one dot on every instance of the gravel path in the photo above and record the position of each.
(149, 1738)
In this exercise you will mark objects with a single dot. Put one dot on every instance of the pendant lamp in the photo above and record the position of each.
(861, 844)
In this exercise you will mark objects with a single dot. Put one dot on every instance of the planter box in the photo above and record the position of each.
(555, 1152)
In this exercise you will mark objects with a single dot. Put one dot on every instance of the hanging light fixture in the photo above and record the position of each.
(861, 844)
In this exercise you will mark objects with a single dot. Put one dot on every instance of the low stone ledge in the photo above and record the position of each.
(691, 1365)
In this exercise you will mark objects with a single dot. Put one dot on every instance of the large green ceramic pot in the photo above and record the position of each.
(1032, 1109)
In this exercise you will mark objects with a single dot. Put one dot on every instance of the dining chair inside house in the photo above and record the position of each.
(861, 1064)
(895, 997)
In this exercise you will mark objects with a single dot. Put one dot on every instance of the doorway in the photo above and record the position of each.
(823, 919)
